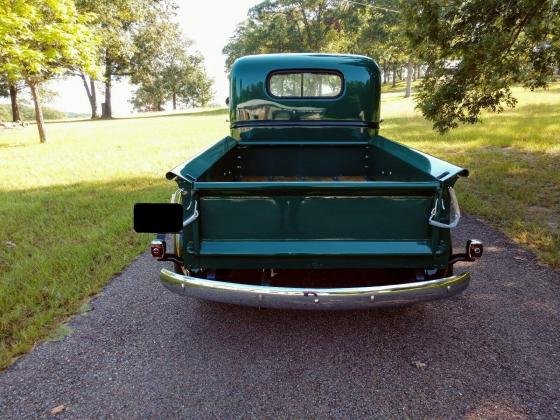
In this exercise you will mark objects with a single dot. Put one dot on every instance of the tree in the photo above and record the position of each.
(91, 92)
(11, 90)
(114, 24)
(160, 61)
(129, 31)
(182, 79)
(40, 39)
(287, 26)
(164, 68)
(381, 33)
(185, 80)
(374, 29)
(150, 96)
(198, 89)
(477, 49)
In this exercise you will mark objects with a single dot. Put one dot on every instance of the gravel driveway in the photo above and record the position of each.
(144, 352)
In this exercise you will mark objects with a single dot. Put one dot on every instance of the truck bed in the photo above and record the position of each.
(315, 163)
(309, 205)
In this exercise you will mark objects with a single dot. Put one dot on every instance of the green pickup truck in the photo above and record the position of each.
(304, 204)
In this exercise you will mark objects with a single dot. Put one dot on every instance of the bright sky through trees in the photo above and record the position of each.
(208, 23)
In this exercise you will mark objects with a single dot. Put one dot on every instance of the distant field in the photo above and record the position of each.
(27, 113)
(66, 206)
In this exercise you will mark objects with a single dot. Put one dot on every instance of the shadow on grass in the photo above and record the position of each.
(59, 246)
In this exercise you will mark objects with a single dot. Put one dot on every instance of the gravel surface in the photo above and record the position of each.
(145, 352)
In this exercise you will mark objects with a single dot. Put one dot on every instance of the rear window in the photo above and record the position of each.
(305, 84)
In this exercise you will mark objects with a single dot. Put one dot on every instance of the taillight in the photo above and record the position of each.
(474, 248)
(157, 248)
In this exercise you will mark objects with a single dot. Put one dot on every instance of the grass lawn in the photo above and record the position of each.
(66, 210)
(66, 207)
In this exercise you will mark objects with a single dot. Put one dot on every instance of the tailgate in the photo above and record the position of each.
(361, 224)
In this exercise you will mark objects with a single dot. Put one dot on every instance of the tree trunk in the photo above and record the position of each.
(107, 112)
(15, 107)
(409, 70)
(38, 110)
(92, 97)
(385, 76)
(394, 75)
(174, 101)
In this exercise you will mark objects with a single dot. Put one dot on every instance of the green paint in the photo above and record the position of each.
(251, 103)
(308, 182)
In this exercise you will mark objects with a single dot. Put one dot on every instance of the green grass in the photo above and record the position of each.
(66, 211)
(66, 206)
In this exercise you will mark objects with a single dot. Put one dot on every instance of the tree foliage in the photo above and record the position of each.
(198, 89)
(165, 69)
(180, 79)
(322, 26)
(374, 29)
(477, 49)
(287, 26)
(39, 39)
(130, 31)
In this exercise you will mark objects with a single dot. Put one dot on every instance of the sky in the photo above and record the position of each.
(209, 23)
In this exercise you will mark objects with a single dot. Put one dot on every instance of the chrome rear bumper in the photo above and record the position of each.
(314, 299)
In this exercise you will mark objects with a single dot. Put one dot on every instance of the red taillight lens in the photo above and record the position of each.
(157, 249)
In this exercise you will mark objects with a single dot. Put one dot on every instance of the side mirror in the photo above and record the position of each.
(227, 101)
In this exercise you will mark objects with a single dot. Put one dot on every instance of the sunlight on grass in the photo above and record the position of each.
(66, 211)
(104, 150)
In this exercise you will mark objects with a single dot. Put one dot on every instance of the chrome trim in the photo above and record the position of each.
(177, 198)
(193, 216)
(158, 242)
(314, 299)
(455, 211)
